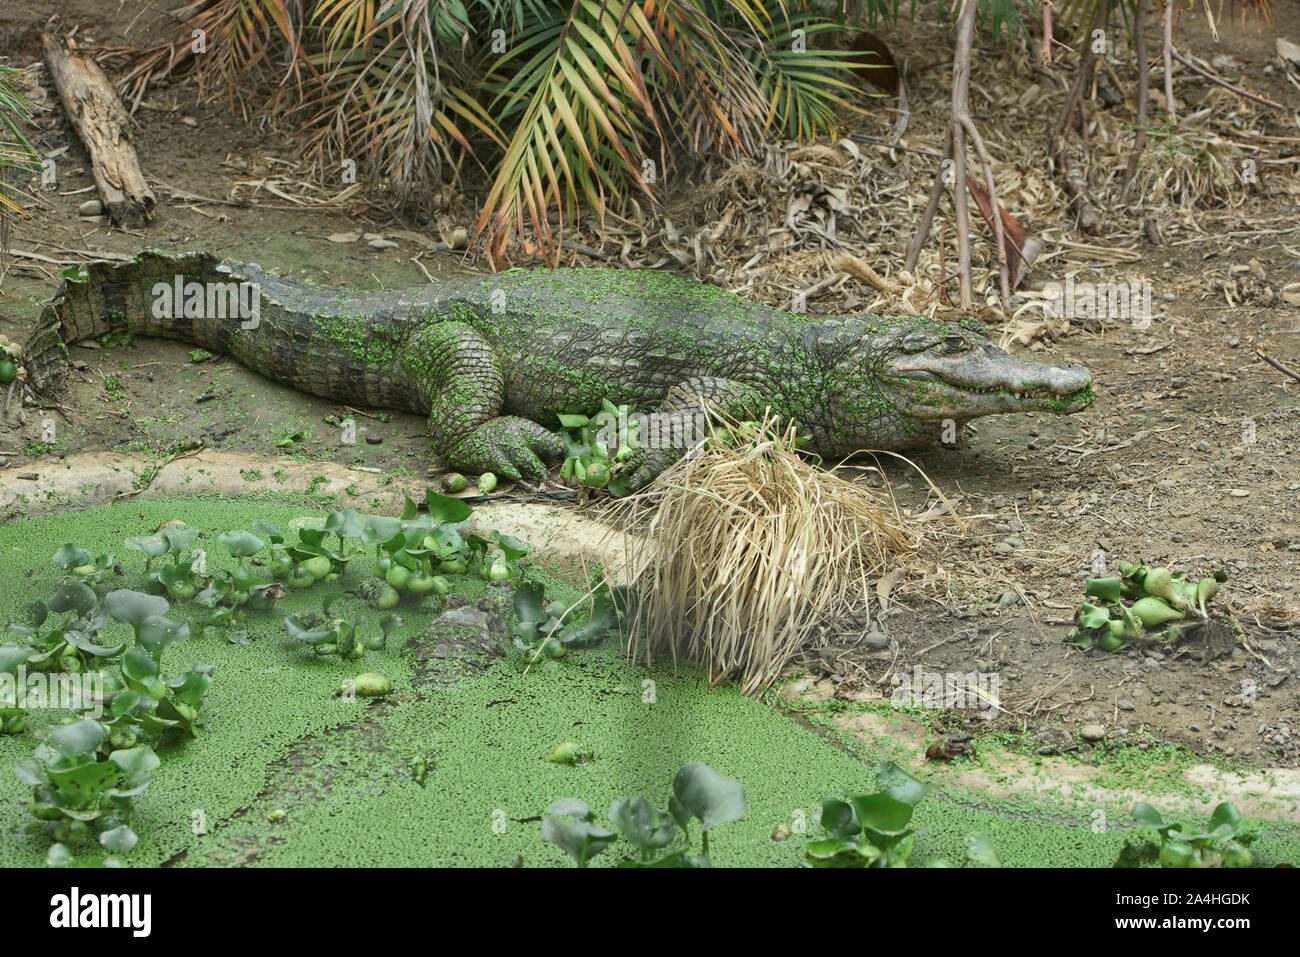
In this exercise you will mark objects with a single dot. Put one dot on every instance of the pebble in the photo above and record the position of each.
(1203, 446)
(374, 439)
(1124, 704)
(1008, 598)
(91, 207)
(1092, 732)
(382, 244)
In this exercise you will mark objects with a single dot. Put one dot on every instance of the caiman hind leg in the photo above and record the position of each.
(458, 371)
(683, 424)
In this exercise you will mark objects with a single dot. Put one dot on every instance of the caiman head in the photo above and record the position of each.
(907, 379)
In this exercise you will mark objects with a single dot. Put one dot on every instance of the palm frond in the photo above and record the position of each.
(805, 87)
(572, 104)
(390, 95)
(569, 108)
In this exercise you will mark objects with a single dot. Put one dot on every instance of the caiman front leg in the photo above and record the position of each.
(458, 371)
(666, 436)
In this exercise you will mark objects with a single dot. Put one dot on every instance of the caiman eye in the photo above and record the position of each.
(955, 343)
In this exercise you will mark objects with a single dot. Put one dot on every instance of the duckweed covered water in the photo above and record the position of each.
(287, 774)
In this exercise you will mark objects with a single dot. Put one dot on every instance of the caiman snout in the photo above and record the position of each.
(984, 380)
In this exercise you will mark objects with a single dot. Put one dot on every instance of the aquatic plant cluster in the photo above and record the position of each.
(87, 768)
(96, 653)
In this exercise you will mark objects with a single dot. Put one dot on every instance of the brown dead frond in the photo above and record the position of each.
(745, 549)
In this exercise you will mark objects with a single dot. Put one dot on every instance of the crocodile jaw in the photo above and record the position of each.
(987, 381)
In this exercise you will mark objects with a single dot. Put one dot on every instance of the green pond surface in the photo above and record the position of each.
(285, 774)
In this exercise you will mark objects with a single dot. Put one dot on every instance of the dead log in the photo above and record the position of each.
(100, 119)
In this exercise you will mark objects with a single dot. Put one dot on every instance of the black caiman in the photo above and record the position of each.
(494, 359)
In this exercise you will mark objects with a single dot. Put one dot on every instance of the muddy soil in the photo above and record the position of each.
(1190, 455)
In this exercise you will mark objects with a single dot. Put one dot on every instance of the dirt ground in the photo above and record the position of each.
(1189, 457)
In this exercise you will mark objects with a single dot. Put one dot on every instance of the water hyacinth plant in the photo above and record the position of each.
(699, 794)
(874, 830)
(1149, 604)
(1223, 842)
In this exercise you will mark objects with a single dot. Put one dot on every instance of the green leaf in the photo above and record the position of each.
(566, 826)
(881, 814)
(1225, 820)
(980, 851)
(138, 667)
(58, 856)
(300, 629)
(530, 601)
(379, 529)
(838, 818)
(74, 595)
(180, 537)
(152, 546)
(192, 686)
(268, 531)
(119, 840)
(709, 796)
(78, 781)
(133, 607)
(573, 421)
(841, 852)
(344, 523)
(82, 642)
(134, 761)
(445, 509)
(156, 633)
(447, 540)
(511, 546)
(80, 737)
(241, 544)
(34, 614)
(899, 784)
(1149, 816)
(70, 556)
(642, 823)
(30, 772)
(1090, 616)
(12, 656)
(123, 702)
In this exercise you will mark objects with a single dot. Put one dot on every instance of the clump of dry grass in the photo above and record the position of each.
(745, 549)
(1188, 167)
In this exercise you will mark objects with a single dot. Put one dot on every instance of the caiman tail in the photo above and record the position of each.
(319, 340)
